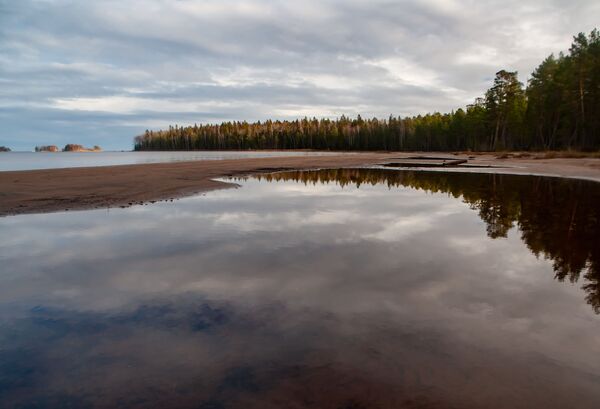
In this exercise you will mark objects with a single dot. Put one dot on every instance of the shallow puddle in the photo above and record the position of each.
(369, 288)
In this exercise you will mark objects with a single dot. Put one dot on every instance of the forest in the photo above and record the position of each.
(559, 109)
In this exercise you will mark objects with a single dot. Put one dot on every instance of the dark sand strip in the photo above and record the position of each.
(39, 191)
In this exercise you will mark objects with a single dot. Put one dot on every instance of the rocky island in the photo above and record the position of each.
(4, 149)
(47, 148)
(71, 147)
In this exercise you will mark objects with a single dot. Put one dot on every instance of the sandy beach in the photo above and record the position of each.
(51, 190)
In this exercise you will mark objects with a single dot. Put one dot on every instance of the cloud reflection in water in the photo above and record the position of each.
(281, 293)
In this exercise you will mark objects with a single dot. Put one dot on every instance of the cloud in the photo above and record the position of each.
(141, 64)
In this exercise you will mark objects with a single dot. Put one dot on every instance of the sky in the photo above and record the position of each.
(101, 72)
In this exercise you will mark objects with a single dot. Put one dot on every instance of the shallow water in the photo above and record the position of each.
(53, 160)
(329, 289)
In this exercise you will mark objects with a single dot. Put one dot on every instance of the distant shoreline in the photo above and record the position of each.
(50, 190)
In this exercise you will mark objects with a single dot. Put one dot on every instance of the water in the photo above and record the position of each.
(414, 289)
(52, 160)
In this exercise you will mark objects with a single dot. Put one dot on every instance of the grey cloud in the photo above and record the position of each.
(136, 65)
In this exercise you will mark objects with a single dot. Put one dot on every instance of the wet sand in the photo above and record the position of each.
(38, 191)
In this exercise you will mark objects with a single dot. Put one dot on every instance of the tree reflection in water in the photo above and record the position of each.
(558, 218)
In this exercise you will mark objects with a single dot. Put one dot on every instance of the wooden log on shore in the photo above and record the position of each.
(426, 162)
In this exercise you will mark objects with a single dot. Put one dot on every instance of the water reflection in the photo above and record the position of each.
(316, 294)
(558, 218)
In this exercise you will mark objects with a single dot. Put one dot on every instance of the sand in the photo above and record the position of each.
(38, 191)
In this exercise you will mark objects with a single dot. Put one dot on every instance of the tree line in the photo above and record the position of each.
(559, 109)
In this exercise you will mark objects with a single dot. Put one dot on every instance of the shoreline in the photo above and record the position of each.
(83, 188)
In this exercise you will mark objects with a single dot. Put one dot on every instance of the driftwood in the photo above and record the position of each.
(426, 162)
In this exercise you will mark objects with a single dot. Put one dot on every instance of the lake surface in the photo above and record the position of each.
(333, 289)
(53, 160)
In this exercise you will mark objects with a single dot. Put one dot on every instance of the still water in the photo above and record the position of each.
(53, 160)
(318, 289)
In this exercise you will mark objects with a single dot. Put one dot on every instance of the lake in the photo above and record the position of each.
(342, 289)
(53, 160)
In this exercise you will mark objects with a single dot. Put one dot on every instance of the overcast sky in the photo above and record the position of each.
(100, 72)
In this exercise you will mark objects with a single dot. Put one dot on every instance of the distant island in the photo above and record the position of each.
(47, 148)
(70, 147)
(4, 149)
